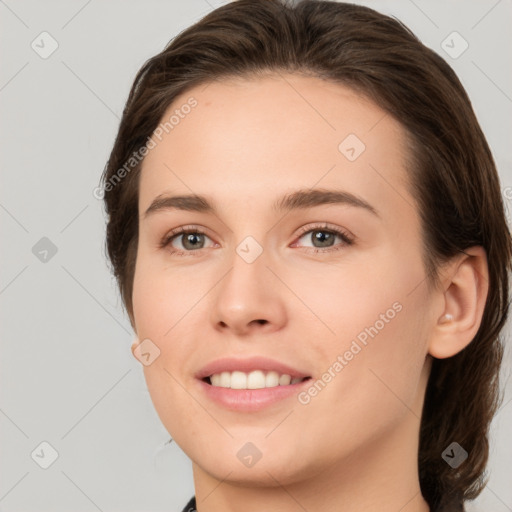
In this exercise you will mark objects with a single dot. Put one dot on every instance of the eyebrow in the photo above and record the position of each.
(298, 200)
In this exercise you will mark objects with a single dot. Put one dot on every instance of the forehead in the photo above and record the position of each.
(276, 133)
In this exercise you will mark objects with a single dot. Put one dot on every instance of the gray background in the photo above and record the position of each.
(68, 377)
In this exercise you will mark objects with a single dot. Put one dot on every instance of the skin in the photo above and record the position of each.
(354, 446)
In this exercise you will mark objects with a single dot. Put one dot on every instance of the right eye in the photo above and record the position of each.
(192, 240)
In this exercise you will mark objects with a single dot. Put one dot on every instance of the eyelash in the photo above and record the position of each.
(186, 230)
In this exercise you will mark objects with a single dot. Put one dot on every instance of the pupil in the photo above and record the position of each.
(322, 236)
(191, 238)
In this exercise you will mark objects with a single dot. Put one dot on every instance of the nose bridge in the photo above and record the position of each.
(249, 273)
(248, 294)
(250, 250)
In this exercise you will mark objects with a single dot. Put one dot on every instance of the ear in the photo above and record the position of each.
(465, 284)
(135, 345)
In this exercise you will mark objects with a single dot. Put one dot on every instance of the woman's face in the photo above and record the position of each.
(349, 310)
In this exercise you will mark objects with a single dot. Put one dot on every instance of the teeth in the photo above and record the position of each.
(256, 379)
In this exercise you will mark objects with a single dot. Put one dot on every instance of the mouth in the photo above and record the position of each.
(253, 380)
(256, 372)
(238, 392)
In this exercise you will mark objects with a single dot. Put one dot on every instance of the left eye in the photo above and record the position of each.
(325, 238)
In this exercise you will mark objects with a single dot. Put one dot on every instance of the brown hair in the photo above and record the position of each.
(453, 177)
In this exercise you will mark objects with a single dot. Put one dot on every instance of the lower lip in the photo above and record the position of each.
(249, 400)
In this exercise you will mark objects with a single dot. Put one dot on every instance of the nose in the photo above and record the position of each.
(249, 298)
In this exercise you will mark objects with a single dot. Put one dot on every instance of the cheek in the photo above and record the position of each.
(387, 356)
(372, 315)
(160, 297)
(160, 315)
(369, 381)
(341, 298)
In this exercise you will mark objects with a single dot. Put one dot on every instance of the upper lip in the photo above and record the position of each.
(229, 364)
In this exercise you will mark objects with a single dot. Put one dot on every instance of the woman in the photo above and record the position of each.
(306, 226)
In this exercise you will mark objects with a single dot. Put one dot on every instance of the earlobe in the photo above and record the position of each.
(135, 344)
(466, 288)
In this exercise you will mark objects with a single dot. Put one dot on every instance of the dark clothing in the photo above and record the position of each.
(191, 507)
